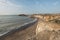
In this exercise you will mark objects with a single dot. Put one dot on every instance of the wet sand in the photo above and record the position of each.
(26, 34)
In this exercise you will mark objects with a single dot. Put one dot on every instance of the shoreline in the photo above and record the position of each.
(39, 30)
(23, 27)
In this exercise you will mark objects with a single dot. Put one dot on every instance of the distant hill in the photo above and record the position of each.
(23, 15)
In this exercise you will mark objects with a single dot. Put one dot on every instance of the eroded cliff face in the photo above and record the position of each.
(43, 25)
(47, 30)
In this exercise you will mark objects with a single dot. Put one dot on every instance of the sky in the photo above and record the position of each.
(15, 7)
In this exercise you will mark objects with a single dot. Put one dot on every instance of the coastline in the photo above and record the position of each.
(23, 27)
(39, 30)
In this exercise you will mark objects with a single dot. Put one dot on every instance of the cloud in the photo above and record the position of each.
(7, 8)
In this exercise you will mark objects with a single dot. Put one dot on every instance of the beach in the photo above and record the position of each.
(26, 34)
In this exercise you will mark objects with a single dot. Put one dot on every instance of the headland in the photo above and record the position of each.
(47, 27)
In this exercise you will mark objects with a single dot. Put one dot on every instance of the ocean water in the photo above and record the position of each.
(10, 22)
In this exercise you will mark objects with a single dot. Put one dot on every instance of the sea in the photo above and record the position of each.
(9, 22)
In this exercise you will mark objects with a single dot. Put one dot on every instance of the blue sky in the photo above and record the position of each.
(14, 7)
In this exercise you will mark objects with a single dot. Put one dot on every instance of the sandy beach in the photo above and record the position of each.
(26, 34)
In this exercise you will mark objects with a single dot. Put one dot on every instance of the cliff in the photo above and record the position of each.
(48, 26)
(47, 30)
